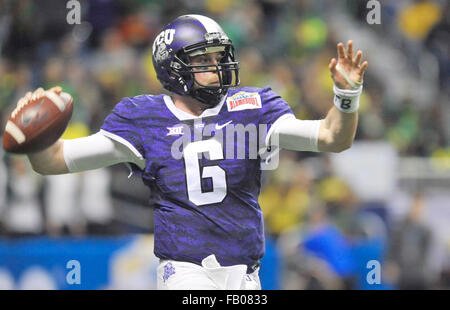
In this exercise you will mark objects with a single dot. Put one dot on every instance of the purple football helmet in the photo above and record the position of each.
(190, 35)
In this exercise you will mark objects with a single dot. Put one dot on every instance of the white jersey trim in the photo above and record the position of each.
(124, 142)
(183, 116)
(98, 151)
(275, 124)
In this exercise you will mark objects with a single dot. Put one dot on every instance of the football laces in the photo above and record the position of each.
(22, 103)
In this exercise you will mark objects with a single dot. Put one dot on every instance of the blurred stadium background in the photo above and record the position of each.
(326, 215)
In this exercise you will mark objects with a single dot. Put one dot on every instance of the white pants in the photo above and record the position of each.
(175, 275)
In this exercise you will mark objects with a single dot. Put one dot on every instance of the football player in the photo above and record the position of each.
(208, 224)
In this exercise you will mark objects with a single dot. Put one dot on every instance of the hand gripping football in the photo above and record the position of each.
(38, 123)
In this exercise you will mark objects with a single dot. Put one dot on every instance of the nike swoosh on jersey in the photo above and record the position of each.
(218, 127)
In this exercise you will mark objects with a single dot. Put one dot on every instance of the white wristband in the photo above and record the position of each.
(347, 100)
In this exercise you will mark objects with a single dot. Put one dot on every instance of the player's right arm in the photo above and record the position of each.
(87, 153)
(50, 160)
(76, 155)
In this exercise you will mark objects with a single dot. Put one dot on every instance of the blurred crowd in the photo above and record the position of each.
(321, 229)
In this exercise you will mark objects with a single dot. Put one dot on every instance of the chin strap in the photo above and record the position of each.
(206, 96)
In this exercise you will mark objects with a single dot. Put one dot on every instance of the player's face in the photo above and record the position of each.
(207, 78)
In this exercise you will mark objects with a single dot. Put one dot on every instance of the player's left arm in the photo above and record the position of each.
(337, 131)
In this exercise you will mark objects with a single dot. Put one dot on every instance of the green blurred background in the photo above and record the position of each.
(326, 215)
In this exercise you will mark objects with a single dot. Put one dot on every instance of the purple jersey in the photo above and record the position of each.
(206, 187)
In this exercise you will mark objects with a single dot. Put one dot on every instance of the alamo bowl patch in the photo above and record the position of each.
(243, 101)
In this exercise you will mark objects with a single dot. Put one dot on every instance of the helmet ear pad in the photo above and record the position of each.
(180, 76)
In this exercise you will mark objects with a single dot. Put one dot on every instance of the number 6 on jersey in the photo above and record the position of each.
(194, 177)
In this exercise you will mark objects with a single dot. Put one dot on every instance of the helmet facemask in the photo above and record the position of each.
(227, 70)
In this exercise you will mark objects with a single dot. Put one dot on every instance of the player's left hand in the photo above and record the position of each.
(350, 72)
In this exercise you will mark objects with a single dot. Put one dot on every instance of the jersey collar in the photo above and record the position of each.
(183, 116)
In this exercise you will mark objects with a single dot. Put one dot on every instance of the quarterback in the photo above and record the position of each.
(208, 225)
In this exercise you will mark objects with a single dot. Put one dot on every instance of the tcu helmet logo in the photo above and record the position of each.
(163, 39)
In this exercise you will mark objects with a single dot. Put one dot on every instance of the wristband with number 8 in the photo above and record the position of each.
(347, 100)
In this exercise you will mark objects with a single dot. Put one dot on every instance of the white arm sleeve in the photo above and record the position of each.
(295, 134)
(97, 151)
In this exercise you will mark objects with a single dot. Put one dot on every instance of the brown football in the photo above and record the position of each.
(38, 124)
